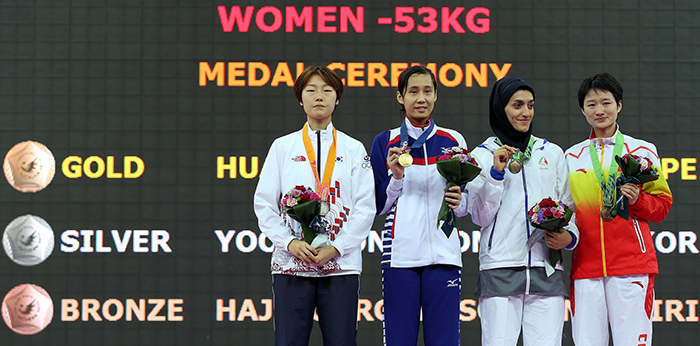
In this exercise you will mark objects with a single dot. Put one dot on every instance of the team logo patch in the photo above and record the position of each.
(452, 283)
(366, 164)
(299, 158)
(339, 159)
(543, 162)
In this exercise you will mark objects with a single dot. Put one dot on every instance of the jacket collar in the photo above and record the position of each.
(606, 140)
(326, 134)
(414, 131)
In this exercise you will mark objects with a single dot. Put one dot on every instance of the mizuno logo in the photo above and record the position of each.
(452, 283)
(638, 283)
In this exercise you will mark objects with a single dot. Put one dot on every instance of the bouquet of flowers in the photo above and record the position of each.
(635, 170)
(550, 215)
(304, 205)
(458, 167)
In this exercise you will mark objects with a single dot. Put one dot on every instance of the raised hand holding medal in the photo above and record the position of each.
(501, 157)
(405, 158)
(514, 156)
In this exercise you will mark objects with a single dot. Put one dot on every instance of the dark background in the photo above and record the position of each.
(117, 78)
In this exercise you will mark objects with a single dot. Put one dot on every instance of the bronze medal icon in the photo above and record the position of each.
(27, 309)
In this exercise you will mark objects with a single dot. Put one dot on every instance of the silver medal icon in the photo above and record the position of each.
(28, 240)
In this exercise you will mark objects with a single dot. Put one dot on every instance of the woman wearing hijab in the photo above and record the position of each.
(514, 288)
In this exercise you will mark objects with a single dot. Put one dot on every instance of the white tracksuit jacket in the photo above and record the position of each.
(501, 207)
(352, 201)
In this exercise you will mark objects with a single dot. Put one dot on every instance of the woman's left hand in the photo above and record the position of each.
(454, 197)
(325, 253)
(558, 240)
(631, 191)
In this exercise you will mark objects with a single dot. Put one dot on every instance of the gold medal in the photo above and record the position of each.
(405, 159)
(605, 213)
(515, 165)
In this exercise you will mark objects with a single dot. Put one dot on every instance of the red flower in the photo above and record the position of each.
(304, 197)
(548, 213)
(301, 188)
(548, 203)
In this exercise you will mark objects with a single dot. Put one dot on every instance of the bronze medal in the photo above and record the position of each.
(514, 166)
(605, 213)
(405, 159)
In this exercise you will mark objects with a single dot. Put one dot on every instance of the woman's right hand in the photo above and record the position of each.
(393, 162)
(303, 251)
(501, 157)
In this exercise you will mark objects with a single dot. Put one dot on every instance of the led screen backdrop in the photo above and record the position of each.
(142, 127)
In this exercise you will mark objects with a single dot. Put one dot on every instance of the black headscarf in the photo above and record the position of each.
(501, 93)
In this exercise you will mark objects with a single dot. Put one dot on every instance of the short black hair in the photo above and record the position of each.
(327, 75)
(602, 81)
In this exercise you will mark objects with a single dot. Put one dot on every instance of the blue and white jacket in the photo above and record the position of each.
(411, 237)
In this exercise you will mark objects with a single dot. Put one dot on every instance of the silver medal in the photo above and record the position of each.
(324, 208)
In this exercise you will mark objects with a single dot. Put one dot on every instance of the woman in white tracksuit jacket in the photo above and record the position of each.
(514, 289)
(323, 277)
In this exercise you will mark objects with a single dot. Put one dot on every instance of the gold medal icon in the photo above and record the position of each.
(29, 166)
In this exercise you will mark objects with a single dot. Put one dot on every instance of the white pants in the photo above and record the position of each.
(626, 302)
(541, 319)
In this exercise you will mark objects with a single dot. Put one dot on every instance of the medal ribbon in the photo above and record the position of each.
(608, 187)
(421, 139)
(519, 155)
(322, 186)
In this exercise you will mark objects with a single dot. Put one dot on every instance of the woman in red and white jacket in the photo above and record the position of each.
(614, 264)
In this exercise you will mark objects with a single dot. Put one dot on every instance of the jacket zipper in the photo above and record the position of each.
(527, 224)
(427, 191)
(638, 230)
(493, 230)
(527, 227)
(602, 228)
